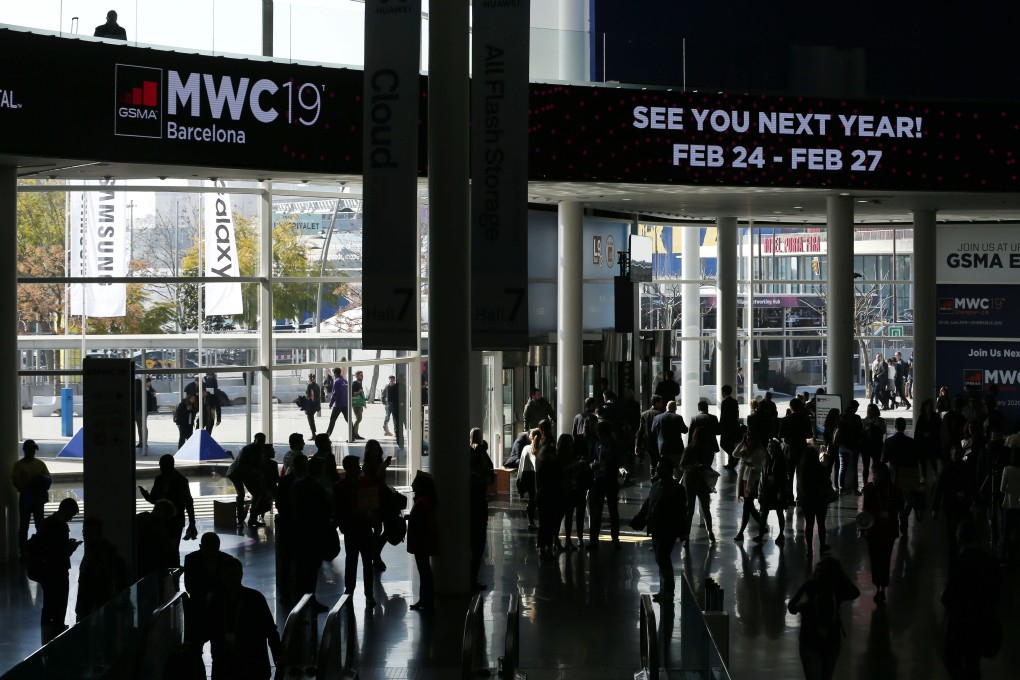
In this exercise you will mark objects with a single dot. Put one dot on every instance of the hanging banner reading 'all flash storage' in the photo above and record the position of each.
(221, 255)
(99, 247)
(390, 171)
(499, 175)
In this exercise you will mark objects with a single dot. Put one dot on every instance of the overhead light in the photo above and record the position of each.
(626, 199)
(862, 200)
(845, 193)
(798, 207)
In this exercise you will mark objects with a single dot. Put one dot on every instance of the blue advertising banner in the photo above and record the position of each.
(983, 367)
(974, 311)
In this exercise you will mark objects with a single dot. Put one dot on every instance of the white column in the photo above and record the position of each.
(449, 285)
(266, 354)
(840, 297)
(570, 251)
(924, 266)
(690, 301)
(726, 306)
(573, 40)
(10, 415)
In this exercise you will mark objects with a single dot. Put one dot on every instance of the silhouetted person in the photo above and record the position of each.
(184, 418)
(971, 599)
(240, 627)
(663, 515)
(324, 451)
(202, 580)
(423, 537)
(250, 474)
(482, 475)
(31, 478)
(102, 573)
(173, 486)
(821, 631)
(111, 29)
(285, 526)
(357, 511)
(313, 522)
(159, 537)
(55, 555)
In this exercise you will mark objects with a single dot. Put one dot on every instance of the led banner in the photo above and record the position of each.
(982, 367)
(221, 255)
(636, 135)
(99, 248)
(974, 311)
(390, 262)
(499, 174)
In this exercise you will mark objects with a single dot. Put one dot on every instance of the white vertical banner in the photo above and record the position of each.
(221, 255)
(390, 261)
(99, 248)
(499, 174)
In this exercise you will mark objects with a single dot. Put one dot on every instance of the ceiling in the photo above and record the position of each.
(651, 201)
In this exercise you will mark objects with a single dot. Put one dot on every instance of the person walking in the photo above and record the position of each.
(481, 476)
(184, 418)
(241, 628)
(848, 439)
(669, 428)
(313, 404)
(695, 464)
(872, 439)
(605, 485)
(900, 454)
(667, 388)
(537, 409)
(878, 382)
(663, 515)
(813, 493)
(729, 426)
(391, 401)
(32, 479)
(882, 501)
(579, 482)
(338, 401)
(250, 475)
(212, 411)
(772, 491)
(645, 443)
(423, 537)
(202, 580)
(54, 552)
(358, 403)
(102, 572)
(549, 485)
(315, 535)
(795, 431)
(751, 455)
(818, 603)
(171, 485)
(357, 512)
(526, 480)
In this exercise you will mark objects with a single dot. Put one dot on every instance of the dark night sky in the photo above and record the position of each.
(926, 49)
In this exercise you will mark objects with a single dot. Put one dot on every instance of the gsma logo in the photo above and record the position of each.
(973, 379)
(947, 306)
(137, 111)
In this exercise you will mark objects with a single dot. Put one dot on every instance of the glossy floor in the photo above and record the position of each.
(580, 611)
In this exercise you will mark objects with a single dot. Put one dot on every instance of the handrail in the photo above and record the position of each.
(294, 642)
(649, 639)
(157, 648)
(470, 652)
(511, 660)
(340, 627)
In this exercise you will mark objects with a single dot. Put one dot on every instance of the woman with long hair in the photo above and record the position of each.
(772, 491)
(818, 602)
(549, 482)
(751, 455)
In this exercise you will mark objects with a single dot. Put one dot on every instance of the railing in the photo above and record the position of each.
(163, 638)
(339, 643)
(510, 662)
(300, 641)
(474, 639)
(107, 643)
(649, 641)
(698, 650)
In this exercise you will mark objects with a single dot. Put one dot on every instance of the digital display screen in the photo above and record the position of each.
(640, 258)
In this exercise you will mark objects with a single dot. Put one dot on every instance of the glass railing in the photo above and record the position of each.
(699, 652)
(472, 651)
(300, 640)
(339, 642)
(107, 643)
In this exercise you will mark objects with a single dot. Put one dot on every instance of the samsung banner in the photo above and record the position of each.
(499, 174)
(99, 248)
(390, 171)
(221, 255)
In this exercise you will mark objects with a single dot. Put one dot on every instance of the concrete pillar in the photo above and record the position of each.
(924, 266)
(690, 301)
(569, 308)
(840, 297)
(449, 284)
(11, 413)
(266, 353)
(726, 306)
(573, 40)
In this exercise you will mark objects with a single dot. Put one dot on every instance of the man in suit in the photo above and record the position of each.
(795, 431)
(706, 420)
(202, 581)
(668, 428)
(729, 425)
(646, 442)
(900, 454)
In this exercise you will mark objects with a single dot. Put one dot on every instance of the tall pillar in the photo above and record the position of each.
(449, 284)
(11, 413)
(840, 297)
(924, 266)
(266, 354)
(690, 305)
(573, 40)
(726, 306)
(267, 28)
(569, 307)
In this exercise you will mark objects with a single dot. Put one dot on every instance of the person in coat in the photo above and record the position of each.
(481, 475)
(663, 516)
(423, 537)
(241, 628)
(695, 463)
(772, 491)
(882, 500)
(818, 602)
(751, 455)
(813, 488)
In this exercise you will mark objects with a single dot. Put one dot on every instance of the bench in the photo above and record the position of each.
(45, 407)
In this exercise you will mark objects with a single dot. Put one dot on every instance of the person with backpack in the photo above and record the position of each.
(663, 515)
(49, 563)
(818, 602)
(31, 478)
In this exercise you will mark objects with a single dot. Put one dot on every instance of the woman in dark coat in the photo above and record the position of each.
(549, 481)
(813, 488)
(882, 500)
(772, 490)
(928, 438)
(872, 440)
(423, 537)
(821, 630)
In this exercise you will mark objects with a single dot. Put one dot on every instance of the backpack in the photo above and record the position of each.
(36, 567)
